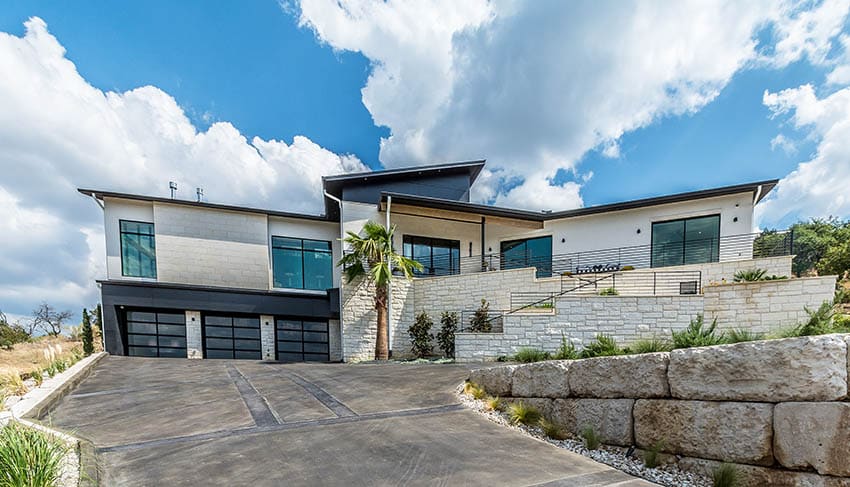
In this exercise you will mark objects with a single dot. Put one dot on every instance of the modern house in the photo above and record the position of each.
(203, 280)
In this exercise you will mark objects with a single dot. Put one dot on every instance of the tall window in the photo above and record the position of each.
(686, 241)
(302, 264)
(138, 249)
(438, 256)
(531, 252)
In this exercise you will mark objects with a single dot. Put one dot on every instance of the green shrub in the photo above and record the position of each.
(774, 278)
(651, 345)
(725, 475)
(591, 439)
(651, 456)
(841, 323)
(697, 335)
(567, 351)
(420, 335)
(552, 430)
(522, 413)
(609, 291)
(601, 346)
(820, 322)
(741, 335)
(842, 294)
(750, 275)
(446, 335)
(10, 334)
(28, 457)
(528, 355)
(480, 321)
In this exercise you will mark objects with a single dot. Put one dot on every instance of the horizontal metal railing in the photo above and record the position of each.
(727, 248)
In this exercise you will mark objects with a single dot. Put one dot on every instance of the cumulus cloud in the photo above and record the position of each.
(58, 132)
(819, 186)
(783, 143)
(533, 86)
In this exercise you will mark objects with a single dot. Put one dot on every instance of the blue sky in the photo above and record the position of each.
(572, 104)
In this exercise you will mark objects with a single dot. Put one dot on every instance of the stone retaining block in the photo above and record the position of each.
(625, 376)
(542, 379)
(793, 369)
(495, 380)
(728, 431)
(611, 419)
(813, 435)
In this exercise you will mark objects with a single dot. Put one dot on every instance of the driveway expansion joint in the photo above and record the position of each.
(261, 412)
(336, 406)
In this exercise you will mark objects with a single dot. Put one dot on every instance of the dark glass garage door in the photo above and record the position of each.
(302, 341)
(156, 334)
(232, 337)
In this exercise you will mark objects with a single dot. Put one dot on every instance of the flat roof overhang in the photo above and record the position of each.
(419, 206)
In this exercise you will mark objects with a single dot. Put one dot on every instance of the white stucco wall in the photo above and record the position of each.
(114, 211)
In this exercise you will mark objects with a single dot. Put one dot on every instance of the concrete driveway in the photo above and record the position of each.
(215, 422)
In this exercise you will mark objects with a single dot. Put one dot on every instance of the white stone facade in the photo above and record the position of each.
(194, 335)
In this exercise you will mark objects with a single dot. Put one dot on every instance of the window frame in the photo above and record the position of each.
(303, 287)
(528, 261)
(715, 253)
(121, 247)
(454, 267)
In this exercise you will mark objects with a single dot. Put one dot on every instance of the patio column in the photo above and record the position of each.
(483, 261)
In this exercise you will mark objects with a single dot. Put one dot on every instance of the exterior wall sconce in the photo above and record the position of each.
(735, 219)
(563, 240)
(638, 230)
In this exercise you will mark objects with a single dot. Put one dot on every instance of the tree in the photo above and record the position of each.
(47, 319)
(372, 256)
(446, 335)
(10, 334)
(420, 335)
(86, 334)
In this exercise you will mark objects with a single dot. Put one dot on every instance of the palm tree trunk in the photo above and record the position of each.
(382, 340)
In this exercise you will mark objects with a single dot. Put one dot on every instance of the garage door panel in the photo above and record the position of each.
(152, 333)
(232, 337)
(301, 341)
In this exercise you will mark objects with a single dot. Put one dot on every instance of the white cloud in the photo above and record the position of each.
(58, 132)
(783, 143)
(533, 86)
(840, 74)
(819, 186)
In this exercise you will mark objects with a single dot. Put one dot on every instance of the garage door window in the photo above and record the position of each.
(232, 337)
(156, 334)
(302, 341)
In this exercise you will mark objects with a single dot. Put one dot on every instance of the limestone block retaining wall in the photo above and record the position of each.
(766, 305)
(359, 319)
(779, 409)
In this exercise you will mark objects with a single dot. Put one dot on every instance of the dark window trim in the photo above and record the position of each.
(684, 236)
(233, 348)
(540, 272)
(121, 246)
(125, 327)
(302, 319)
(330, 251)
(454, 267)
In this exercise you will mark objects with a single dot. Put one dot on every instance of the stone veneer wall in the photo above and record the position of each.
(580, 319)
(779, 409)
(765, 305)
(359, 319)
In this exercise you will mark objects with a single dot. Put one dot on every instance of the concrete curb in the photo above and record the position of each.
(39, 400)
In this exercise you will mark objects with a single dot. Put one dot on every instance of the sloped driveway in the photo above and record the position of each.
(210, 422)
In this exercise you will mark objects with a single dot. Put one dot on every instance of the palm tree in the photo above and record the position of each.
(372, 255)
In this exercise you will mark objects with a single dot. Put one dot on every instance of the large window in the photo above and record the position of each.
(302, 264)
(438, 256)
(686, 241)
(532, 252)
(138, 249)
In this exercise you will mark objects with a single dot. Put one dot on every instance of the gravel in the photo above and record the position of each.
(668, 474)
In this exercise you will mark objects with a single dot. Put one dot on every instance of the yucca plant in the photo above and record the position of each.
(552, 429)
(566, 351)
(591, 438)
(522, 413)
(651, 456)
(528, 355)
(725, 475)
(741, 335)
(601, 346)
(28, 457)
(750, 275)
(698, 335)
(651, 345)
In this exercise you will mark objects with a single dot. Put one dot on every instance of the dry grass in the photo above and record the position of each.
(26, 358)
